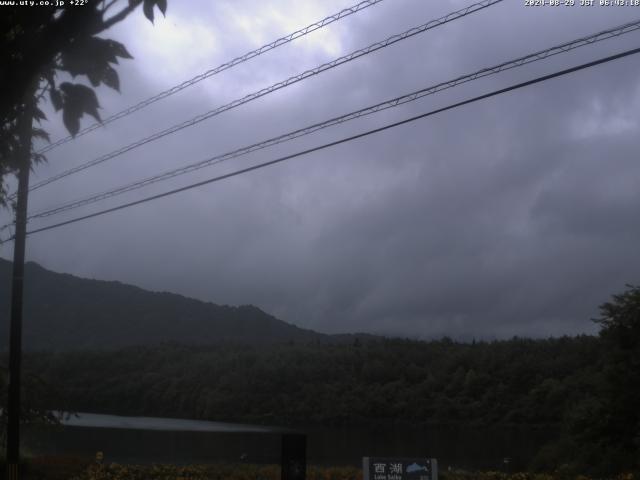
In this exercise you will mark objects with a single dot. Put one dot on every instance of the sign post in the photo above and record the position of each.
(294, 456)
(386, 468)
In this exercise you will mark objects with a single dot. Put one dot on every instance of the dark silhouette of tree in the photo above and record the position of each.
(37, 43)
(618, 428)
(603, 436)
(37, 394)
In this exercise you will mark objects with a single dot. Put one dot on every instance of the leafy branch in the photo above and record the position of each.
(37, 45)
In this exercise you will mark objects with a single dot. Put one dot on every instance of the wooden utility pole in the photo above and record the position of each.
(17, 284)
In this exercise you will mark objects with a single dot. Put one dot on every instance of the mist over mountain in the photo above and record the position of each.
(63, 312)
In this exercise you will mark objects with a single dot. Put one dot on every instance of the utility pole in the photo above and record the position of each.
(15, 330)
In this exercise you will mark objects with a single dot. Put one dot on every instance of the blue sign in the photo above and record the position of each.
(383, 468)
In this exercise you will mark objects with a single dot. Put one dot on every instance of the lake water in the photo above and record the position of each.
(163, 440)
(96, 420)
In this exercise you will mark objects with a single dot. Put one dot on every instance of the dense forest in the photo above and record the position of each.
(532, 382)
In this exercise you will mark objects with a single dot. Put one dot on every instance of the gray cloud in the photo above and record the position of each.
(512, 216)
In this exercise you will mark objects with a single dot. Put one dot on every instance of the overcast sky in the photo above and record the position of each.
(517, 215)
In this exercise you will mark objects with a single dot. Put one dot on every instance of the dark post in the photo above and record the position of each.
(294, 456)
(15, 334)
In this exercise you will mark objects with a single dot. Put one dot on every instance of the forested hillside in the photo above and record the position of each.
(532, 382)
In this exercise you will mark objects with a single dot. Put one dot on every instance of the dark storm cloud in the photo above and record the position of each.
(510, 216)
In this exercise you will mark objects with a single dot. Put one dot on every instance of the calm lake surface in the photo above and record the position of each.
(164, 440)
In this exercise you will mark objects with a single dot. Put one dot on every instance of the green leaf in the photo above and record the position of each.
(118, 49)
(56, 98)
(93, 58)
(38, 114)
(147, 8)
(162, 5)
(79, 99)
(49, 76)
(38, 158)
(71, 120)
(94, 77)
(40, 133)
(110, 78)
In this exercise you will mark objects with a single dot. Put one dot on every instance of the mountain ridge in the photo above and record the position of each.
(67, 312)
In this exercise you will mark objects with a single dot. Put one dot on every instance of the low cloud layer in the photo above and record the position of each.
(512, 216)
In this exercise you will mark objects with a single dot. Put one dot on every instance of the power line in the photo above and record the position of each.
(410, 97)
(343, 140)
(277, 86)
(214, 71)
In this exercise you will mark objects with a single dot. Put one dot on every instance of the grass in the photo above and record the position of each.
(78, 468)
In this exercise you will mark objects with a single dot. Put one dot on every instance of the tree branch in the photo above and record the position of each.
(72, 25)
(121, 15)
(108, 5)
